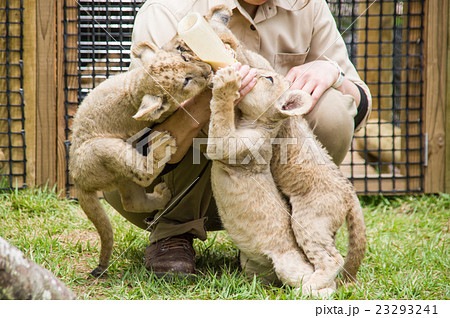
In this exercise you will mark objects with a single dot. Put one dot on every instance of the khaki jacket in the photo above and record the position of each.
(285, 32)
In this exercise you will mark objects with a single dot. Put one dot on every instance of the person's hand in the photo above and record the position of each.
(313, 78)
(248, 79)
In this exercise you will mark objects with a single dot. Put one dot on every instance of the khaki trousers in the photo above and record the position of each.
(192, 208)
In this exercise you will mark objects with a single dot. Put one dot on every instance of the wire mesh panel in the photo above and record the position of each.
(12, 135)
(384, 41)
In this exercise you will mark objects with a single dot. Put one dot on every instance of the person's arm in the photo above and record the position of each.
(185, 124)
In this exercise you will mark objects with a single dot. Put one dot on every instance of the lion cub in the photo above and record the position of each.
(117, 109)
(321, 198)
(251, 208)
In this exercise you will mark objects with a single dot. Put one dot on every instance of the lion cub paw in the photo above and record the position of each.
(162, 147)
(163, 191)
(227, 82)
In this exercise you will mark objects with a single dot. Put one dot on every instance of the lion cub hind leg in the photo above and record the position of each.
(324, 293)
(262, 268)
(122, 160)
(291, 267)
(135, 199)
(317, 241)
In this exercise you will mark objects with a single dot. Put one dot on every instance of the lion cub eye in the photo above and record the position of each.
(184, 58)
(270, 78)
(186, 81)
(181, 49)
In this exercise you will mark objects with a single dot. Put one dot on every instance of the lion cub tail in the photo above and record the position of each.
(356, 242)
(91, 205)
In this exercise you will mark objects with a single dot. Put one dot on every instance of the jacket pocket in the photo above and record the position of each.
(285, 61)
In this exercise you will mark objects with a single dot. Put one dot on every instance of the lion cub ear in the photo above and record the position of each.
(295, 103)
(150, 108)
(144, 51)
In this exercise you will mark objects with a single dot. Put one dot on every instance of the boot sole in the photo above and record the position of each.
(171, 276)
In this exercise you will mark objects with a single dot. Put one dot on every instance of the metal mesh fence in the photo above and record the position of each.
(384, 41)
(12, 120)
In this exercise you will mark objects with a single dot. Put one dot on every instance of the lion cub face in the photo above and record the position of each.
(271, 100)
(170, 79)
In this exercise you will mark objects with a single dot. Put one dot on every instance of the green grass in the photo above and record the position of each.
(407, 255)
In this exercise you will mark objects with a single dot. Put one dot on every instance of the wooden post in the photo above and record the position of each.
(29, 87)
(46, 159)
(60, 111)
(40, 90)
(436, 61)
(44, 86)
(447, 111)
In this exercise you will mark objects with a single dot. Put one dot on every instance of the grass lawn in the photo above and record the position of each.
(407, 257)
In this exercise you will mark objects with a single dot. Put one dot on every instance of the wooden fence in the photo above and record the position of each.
(52, 80)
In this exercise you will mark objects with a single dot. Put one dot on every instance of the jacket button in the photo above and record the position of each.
(252, 27)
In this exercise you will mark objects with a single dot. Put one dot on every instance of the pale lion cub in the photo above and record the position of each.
(321, 197)
(251, 208)
(117, 109)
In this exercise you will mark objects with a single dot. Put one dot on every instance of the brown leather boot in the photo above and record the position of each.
(171, 256)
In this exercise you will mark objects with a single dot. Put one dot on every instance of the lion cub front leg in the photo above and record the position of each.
(226, 84)
(133, 195)
(223, 142)
(161, 147)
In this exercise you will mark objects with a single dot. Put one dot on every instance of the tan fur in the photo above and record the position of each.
(320, 196)
(116, 110)
(251, 208)
(321, 199)
(380, 142)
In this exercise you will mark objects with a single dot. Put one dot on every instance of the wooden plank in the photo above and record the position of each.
(60, 112)
(29, 87)
(447, 113)
(436, 61)
(46, 92)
